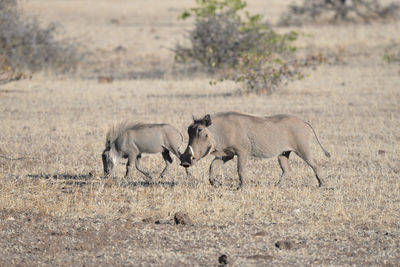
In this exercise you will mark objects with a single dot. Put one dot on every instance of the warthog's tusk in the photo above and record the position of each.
(191, 150)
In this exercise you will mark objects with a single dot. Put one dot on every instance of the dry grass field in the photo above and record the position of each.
(55, 208)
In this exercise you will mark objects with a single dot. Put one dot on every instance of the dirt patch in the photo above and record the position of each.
(32, 239)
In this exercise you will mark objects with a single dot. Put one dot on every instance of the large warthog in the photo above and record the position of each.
(227, 134)
(128, 140)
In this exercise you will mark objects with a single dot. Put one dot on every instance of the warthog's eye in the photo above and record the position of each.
(206, 135)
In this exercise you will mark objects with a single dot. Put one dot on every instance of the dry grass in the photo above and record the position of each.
(53, 132)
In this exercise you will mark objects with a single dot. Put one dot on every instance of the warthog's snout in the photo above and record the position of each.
(185, 164)
(186, 160)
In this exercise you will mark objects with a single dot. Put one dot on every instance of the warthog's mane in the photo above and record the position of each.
(119, 129)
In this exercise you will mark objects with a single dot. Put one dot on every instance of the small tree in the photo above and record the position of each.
(338, 11)
(228, 41)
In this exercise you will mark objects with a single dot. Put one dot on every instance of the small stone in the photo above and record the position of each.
(148, 220)
(105, 79)
(261, 233)
(125, 210)
(182, 218)
(162, 222)
(223, 260)
(114, 21)
(284, 245)
(120, 48)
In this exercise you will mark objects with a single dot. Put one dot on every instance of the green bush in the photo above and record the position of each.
(312, 11)
(24, 45)
(231, 43)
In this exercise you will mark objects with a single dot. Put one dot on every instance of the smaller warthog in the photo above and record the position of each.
(229, 134)
(129, 140)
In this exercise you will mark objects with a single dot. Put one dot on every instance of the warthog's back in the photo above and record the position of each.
(265, 136)
(152, 138)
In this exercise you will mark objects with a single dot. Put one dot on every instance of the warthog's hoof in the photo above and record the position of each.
(106, 176)
(239, 187)
(148, 176)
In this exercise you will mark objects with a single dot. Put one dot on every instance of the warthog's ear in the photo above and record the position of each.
(207, 120)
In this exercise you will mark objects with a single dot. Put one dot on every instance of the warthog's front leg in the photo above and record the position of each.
(241, 167)
(215, 169)
(188, 173)
(129, 166)
(179, 155)
(283, 160)
(168, 160)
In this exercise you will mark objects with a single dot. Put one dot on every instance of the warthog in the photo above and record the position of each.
(227, 134)
(128, 140)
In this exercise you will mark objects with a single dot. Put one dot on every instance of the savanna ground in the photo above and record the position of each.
(56, 210)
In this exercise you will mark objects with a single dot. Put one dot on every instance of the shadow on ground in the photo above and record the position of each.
(82, 180)
(195, 95)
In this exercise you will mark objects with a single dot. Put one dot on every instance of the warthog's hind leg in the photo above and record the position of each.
(314, 166)
(215, 169)
(306, 156)
(168, 160)
(283, 160)
(139, 166)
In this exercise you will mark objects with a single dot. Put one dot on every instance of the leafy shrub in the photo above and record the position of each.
(311, 11)
(216, 42)
(236, 45)
(24, 45)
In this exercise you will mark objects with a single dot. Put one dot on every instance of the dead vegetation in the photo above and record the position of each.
(26, 46)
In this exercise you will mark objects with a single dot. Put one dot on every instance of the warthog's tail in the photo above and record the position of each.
(326, 152)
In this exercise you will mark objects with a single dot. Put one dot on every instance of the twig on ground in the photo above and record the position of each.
(20, 158)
